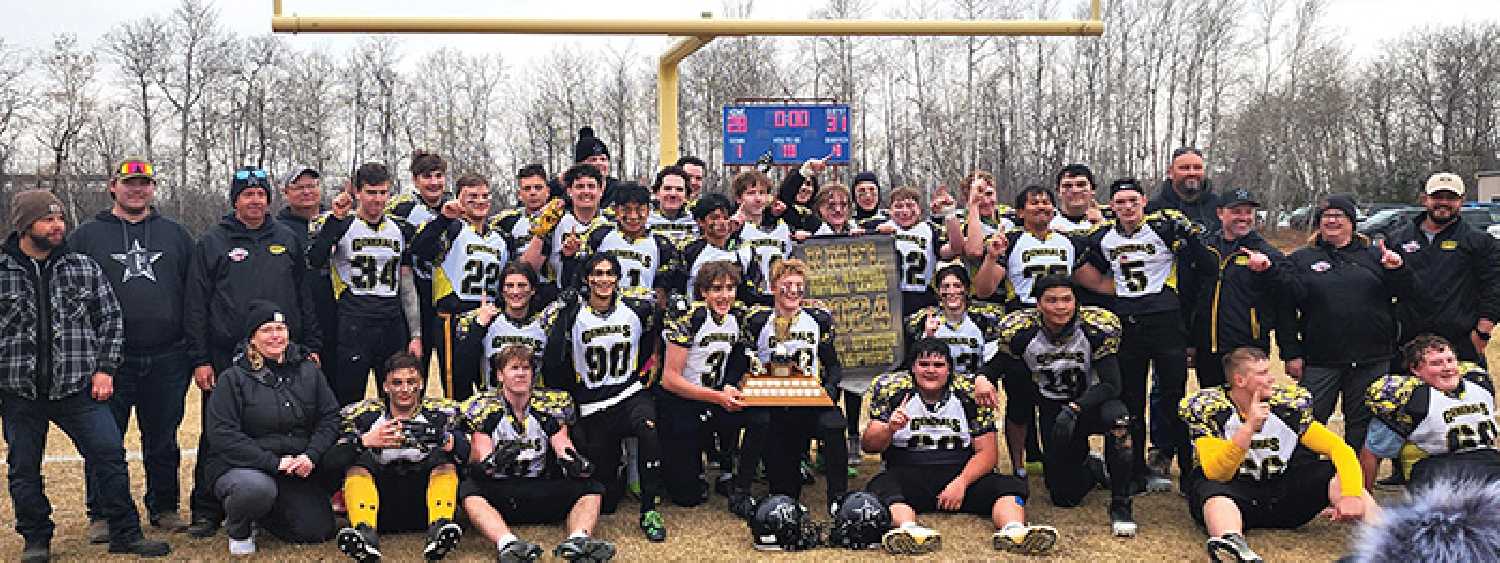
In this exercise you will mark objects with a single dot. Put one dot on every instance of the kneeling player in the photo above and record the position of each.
(1444, 413)
(1062, 357)
(1255, 441)
(939, 450)
(404, 446)
(517, 434)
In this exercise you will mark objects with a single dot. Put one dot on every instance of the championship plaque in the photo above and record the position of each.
(782, 384)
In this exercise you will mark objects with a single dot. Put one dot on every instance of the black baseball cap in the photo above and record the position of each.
(1238, 196)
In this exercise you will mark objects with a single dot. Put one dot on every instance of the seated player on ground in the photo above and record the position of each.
(1255, 441)
(404, 474)
(520, 444)
(1442, 413)
(939, 449)
(1064, 359)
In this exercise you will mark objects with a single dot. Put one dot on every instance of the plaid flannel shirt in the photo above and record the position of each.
(88, 328)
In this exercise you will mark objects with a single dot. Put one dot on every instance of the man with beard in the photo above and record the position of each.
(1186, 190)
(62, 340)
(145, 256)
(1457, 265)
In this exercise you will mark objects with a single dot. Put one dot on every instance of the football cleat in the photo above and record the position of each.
(1026, 540)
(359, 543)
(585, 549)
(520, 551)
(442, 539)
(911, 540)
(653, 526)
(1231, 548)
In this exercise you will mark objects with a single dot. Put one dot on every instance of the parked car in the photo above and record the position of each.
(1386, 220)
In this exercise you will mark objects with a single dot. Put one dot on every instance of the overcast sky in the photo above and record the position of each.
(1362, 23)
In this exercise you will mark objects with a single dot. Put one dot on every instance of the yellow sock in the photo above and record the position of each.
(442, 492)
(362, 499)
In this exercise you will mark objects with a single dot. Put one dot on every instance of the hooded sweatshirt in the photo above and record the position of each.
(147, 264)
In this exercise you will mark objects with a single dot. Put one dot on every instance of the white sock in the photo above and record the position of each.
(505, 540)
(578, 534)
(1011, 526)
(911, 524)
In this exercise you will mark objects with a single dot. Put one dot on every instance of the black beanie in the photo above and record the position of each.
(865, 176)
(260, 312)
(1341, 202)
(588, 145)
(248, 177)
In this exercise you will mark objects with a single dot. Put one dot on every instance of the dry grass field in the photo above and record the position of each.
(709, 532)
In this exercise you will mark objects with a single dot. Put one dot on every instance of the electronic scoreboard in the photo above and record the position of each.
(790, 134)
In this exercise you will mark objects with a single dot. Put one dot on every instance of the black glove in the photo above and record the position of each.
(422, 435)
(502, 461)
(1062, 429)
(575, 466)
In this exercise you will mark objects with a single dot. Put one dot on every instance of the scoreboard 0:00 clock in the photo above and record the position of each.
(790, 134)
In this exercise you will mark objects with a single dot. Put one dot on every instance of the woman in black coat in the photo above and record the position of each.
(271, 418)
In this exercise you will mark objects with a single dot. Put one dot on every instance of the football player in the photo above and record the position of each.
(468, 256)
(764, 238)
(557, 233)
(520, 444)
(670, 217)
(531, 194)
(649, 260)
(1442, 413)
(1063, 357)
(429, 174)
(939, 449)
(1257, 450)
(719, 243)
(1079, 211)
(598, 350)
(404, 476)
(370, 261)
(485, 330)
(920, 245)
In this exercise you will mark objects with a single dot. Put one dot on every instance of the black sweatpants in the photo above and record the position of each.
(599, 439)
(791, 428)
(1155, 343)
(685, 427)
(1067, 475)
(364, 345)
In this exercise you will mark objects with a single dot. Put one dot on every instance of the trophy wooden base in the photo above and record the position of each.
(783, 391)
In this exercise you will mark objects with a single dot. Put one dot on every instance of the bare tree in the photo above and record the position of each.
(139, 48)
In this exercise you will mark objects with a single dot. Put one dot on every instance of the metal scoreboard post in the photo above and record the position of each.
(789, 133)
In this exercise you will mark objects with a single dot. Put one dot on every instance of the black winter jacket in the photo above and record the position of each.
(1459, 271)
(233, 265)
(257, 416)
(1346, 303)
(1234, 306)
(147, 264)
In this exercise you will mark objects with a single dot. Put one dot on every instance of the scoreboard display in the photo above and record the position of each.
(790, 134)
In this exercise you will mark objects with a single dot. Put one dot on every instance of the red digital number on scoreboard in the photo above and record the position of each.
(737, 124)
(838, 122)
(791, 118)
(788, 150)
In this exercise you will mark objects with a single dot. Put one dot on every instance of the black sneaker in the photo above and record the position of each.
(168, 521)
(585, 549)
(203, 528)
(742, 505)
(1121, 522)
(1231, 548)
(520, 551)
(37, 551)
(724, 484)
(143, 548)
(359, 543)
(653, 526)
(442, 538)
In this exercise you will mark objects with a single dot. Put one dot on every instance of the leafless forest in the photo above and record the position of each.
(1265, 87)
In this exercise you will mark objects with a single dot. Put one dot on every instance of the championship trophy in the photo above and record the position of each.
(781, 381)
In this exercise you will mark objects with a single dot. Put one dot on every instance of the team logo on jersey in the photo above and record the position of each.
(1321, 266)
(238, 254)
(276, 249)
(1411, 246)
(1449, 245)
(1241, 260)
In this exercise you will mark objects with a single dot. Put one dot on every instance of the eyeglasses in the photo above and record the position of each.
(603, 274)
(136, 167)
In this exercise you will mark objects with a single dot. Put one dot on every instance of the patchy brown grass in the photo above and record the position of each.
(710, 533)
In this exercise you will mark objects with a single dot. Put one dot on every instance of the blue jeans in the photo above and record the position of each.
(155, 385)
(88, 423)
